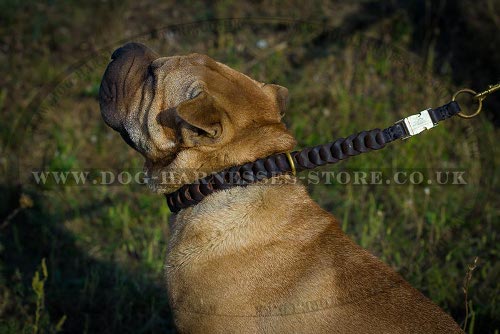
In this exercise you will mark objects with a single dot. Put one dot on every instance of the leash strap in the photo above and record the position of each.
(308, 158)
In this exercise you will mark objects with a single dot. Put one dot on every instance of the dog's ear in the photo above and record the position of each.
(281, 95)
(203, 119)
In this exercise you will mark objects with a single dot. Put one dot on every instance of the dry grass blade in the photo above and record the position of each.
(465, 288)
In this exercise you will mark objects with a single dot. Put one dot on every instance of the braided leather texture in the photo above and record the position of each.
(308, 158)
(340, 149)
(274, 165)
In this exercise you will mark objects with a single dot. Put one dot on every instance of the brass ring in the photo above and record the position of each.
(292, 164)
(473, 93)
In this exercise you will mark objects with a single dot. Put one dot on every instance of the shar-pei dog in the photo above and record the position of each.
(261, 258)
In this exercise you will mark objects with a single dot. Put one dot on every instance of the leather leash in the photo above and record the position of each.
(311, 157)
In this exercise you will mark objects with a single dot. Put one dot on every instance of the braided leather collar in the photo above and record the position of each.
(308, 158)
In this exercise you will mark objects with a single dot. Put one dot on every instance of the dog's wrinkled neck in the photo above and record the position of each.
(189, 165)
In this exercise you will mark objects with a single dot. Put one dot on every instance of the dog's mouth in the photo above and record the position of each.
(124, 134)
(146, 145)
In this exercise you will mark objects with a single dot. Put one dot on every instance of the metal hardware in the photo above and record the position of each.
(292, 164)
(491, 89)
(479, 101)
(417, 123)
(478, 96)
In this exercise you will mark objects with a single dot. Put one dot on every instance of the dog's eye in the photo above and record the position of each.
(195, 89)
(194, 93)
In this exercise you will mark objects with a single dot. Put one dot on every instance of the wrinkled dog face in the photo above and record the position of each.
(161, 105)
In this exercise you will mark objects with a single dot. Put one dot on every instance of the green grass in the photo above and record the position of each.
(90, 259)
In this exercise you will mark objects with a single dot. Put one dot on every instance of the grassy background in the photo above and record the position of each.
(89, 259)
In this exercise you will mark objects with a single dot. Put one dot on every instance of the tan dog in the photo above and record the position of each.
(255, 259)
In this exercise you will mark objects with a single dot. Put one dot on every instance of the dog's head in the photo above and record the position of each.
(190, 111)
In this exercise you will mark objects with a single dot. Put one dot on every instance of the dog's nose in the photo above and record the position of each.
(122, 78)
(137, 48)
